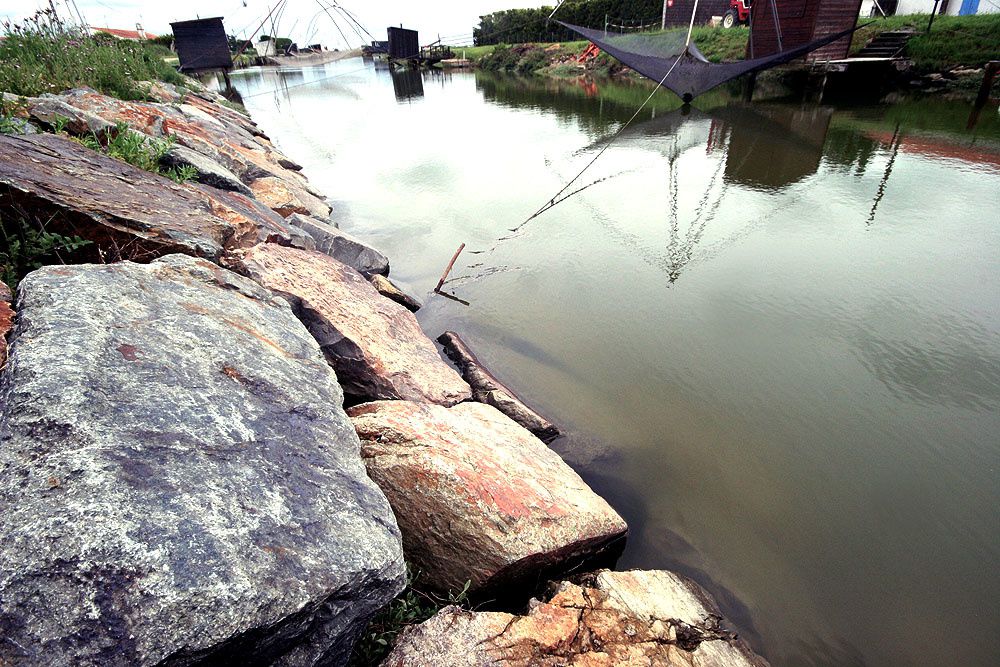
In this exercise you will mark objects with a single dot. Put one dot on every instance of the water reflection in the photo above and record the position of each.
(407, 84)
(772, 146)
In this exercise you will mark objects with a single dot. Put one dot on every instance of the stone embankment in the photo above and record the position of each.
(179, 480)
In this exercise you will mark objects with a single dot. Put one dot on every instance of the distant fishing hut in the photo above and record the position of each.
(404, 49)
(202, 45)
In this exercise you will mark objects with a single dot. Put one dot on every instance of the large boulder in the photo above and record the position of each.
(126, 211)
(651, 618)
(375, 345)
(343, 247)
(178, 481)
(480, 499)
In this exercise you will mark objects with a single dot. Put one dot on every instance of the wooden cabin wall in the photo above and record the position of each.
(801, 21)
(834, 16)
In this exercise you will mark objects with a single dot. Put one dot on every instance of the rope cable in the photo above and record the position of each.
(552, 201)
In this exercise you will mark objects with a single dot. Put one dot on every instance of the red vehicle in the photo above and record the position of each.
(739, 13)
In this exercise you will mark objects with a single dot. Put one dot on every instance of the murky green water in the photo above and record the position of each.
(773, 333)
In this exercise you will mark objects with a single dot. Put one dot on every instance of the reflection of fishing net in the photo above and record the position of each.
(683, 69)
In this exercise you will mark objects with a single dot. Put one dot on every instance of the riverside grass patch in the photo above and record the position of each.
(43, 54)
(138, 150)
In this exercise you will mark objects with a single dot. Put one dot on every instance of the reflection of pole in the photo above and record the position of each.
(930, 21)
(885, 177)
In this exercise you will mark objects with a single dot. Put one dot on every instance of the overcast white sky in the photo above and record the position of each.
(303, 18)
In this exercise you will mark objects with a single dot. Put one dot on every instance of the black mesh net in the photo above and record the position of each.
(690, 74)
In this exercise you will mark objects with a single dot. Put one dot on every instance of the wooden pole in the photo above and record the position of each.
(691, 27)
(444, 276)
(989, 72)
(930, 21)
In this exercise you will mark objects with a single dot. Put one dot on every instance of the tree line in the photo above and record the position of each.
(529, 25)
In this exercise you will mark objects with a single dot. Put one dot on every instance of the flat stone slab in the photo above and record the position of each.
(179, 483)
(480, 499)
(208, 171)
(375, 345)
(126, 211)
(650, 618)
(344, 248)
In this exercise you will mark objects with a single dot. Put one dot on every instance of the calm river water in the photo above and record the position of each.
(772, 333)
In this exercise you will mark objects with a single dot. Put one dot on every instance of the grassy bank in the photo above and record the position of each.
(44, 55)
(954, 41)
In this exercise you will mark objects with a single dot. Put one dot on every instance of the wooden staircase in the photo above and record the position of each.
(886, 45)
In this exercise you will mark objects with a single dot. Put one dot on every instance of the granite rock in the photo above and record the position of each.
(480, 499)
(641, 618)
(375, 345)
(179, 483)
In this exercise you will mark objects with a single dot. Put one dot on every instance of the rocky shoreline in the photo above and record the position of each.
(180, 482)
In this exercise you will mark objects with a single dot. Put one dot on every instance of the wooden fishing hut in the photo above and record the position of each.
(202, 45)
(782, 25)
(404, 49)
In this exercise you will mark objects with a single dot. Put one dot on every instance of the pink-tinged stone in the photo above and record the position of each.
(285, 196)
(478, 498)
(209, 129)
(375, 345)
(6, 321)
(605, 619)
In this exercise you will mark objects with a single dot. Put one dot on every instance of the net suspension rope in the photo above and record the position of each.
(555, 199)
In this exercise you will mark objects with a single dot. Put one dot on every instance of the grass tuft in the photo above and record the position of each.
(140, 151)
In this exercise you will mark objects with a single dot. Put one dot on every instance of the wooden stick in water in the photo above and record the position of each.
(451, 264)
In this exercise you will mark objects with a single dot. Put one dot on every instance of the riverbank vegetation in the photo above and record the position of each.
(953, 42)
(46, 55)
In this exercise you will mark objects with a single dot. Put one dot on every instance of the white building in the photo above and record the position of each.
(950, 7)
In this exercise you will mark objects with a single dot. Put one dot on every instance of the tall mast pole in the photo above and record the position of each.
(663, 21)
(691, 27)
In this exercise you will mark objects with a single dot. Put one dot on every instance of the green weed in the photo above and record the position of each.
(139, 150)
(27, 246)
(414, 605)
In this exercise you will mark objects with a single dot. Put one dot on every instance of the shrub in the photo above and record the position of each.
(45, 55)
(25, 245)
(531, 61)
